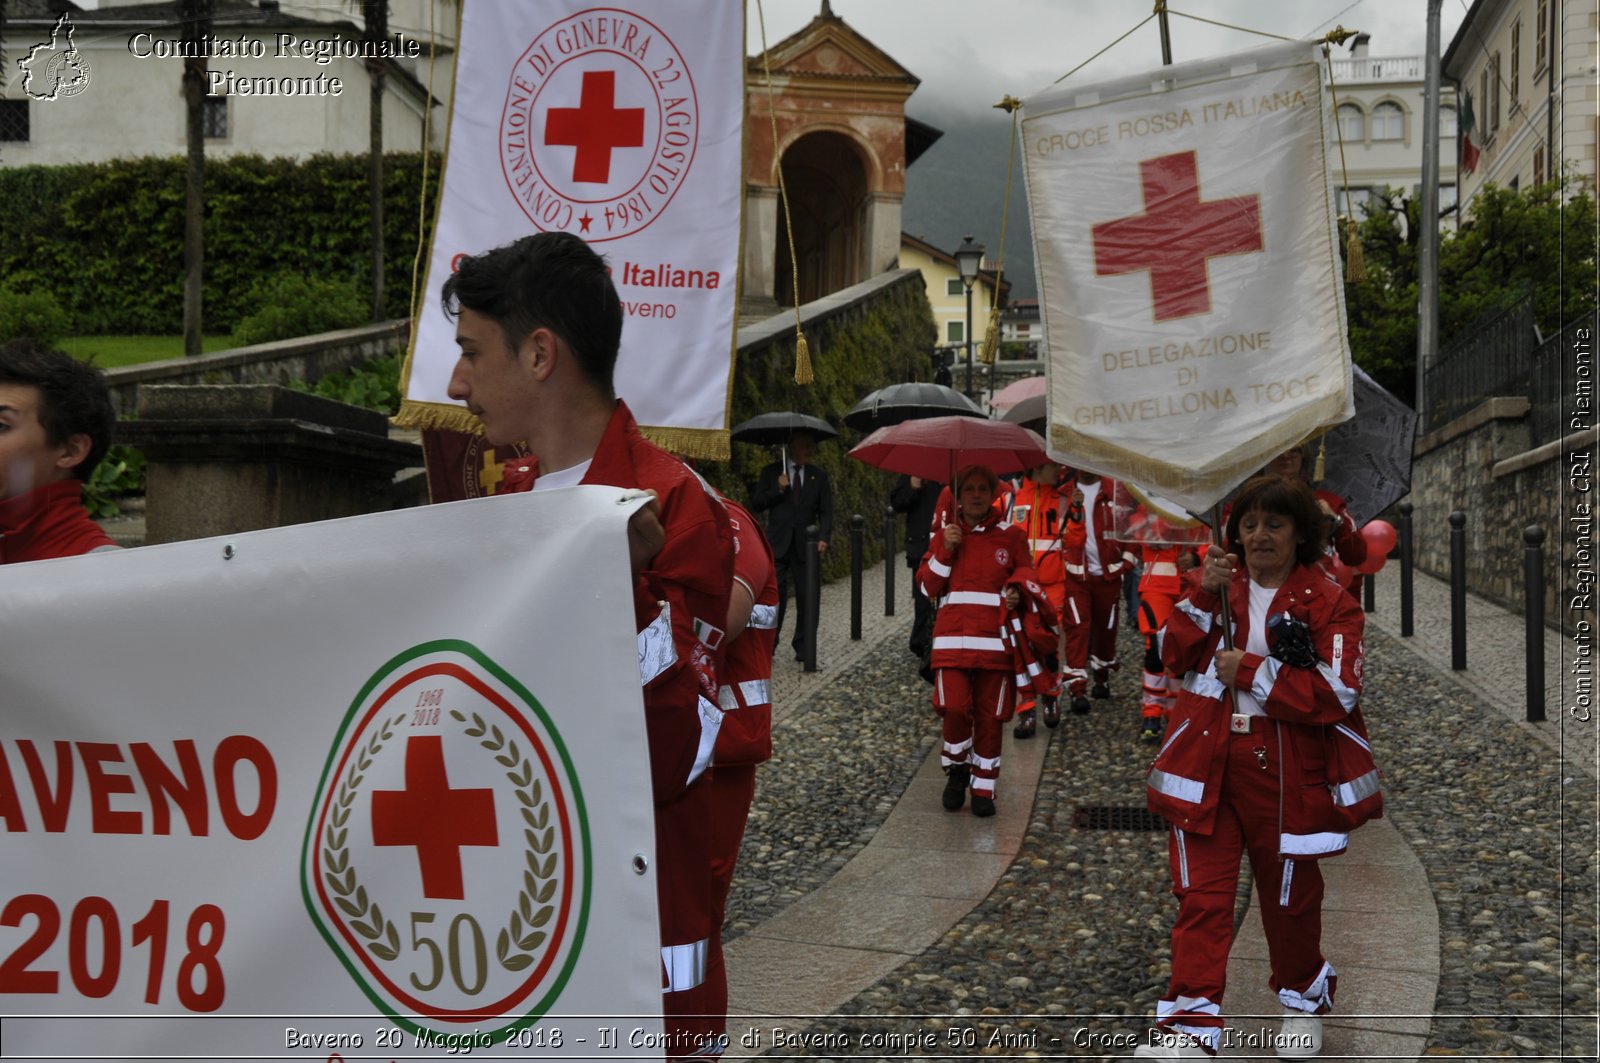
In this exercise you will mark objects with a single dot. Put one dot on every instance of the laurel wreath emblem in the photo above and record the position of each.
(383, 939)
(523, 932)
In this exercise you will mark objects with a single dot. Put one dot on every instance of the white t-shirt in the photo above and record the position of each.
(1255, 642)
(570, 477)
(1091, 542)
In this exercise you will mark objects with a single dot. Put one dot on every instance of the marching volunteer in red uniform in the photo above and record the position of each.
(539, 325)
(1160, 587)
(1283, 776)
(967, 570)
(745, 739)
(1039, 508)
(1095, 564)
(56, 421)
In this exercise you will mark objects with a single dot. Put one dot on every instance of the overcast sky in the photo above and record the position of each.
(970, 53)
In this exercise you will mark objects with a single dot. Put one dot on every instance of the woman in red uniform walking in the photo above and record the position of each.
(1266, 754)
(967, 569)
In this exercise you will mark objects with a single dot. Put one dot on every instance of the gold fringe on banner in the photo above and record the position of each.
(702, 444)
(415, 414)
(1321, 468)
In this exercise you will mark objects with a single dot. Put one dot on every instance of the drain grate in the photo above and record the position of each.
(1116, 817)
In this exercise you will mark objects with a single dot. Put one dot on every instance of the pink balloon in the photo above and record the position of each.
(1380, 536)
(1373, 564)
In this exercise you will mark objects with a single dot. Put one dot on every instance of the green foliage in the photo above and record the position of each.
(35, 315)
(375, 385)
(120, 472)
(851, 355)
(290, 305)
(1510, 242)
(107, 238)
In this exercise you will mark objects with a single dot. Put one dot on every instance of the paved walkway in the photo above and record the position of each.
(886, 905)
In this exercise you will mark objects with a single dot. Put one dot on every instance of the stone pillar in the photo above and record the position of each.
(761, 223)
(883, 232)
(230, 458)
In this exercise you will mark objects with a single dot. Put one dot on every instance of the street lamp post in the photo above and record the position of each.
(969, 256)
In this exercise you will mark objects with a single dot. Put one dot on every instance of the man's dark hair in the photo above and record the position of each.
(548, 280)
(1286, 498)
(73, 397)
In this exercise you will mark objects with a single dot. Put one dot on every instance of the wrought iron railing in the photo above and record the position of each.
(1493, 358)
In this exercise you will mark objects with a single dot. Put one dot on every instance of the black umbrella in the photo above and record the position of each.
(909, 402)
(1368, 458)
(775, 428)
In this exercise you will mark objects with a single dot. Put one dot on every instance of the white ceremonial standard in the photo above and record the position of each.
(262, 797)
(623, 125)
(1189, 272)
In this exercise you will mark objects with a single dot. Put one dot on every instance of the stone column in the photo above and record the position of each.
(761, 223)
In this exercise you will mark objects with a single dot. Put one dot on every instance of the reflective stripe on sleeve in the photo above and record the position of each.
(938, 567)
(1202, 619)
(1206, 685)
(1357, 790)
(684, 966)
(656, 650)
(1190, 790)
(1348, 698)
(1266, 677)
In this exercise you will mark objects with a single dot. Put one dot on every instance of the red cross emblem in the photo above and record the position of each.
(595, 127)
(431, 816)
(1176, 235)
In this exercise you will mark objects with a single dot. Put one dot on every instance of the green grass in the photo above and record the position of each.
(108, 352)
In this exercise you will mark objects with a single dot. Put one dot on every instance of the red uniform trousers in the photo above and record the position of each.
(1205, 878)
(1160, 687)
(1090, 623)
(733, 789)
(975, 703)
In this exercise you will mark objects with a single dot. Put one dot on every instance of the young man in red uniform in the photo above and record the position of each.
(539, 325)
(1095, 565)
(745, 697)
(56, 421)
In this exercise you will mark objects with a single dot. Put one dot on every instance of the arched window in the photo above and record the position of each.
(1388, 122)
(1352, 123)
(1447, 123)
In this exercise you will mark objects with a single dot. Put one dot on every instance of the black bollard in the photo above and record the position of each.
(1369, 592)
(1533, 614)
(813, 598)
(1406, 599)
(858, 534)
(1458, 591)
(889, 558)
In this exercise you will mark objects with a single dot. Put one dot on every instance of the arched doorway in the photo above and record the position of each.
(828, 206)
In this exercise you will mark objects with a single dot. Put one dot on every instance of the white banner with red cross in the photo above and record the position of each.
(260, 799)
(621, 123)
(1189, 270)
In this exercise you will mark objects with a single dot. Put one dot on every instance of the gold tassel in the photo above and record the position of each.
(1355, 265)
(1321, 466)
(802, 360)
(991, 339)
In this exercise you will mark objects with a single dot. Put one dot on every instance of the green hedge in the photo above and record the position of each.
(862, 349)
(107, 238)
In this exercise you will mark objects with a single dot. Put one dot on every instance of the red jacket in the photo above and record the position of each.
(1101, 523)
(1331, 782)
(47, 522)
(968, 584)
(745, 694)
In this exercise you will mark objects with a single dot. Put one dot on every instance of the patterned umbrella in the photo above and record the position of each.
(935, 447)
(898, 403)
(1368, 458)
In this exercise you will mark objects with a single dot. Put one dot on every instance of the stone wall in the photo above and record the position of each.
(308, 358)
(1482, 465)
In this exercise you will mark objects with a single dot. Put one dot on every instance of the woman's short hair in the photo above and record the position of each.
(976, 470)
(1286, 498)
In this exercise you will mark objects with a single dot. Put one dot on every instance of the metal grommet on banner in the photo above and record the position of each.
(227, 552)
(640, 864)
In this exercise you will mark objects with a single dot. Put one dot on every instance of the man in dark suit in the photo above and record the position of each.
(793, 495)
